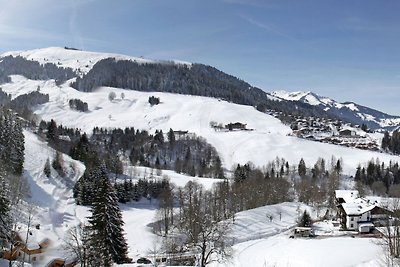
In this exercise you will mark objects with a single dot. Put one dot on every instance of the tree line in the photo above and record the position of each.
(381, 179)
(391, 143)
(196, 79)
(33, 70)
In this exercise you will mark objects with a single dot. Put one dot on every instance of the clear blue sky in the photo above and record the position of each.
(348, 50)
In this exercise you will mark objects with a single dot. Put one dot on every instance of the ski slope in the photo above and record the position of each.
(258, 239)
(267, 140)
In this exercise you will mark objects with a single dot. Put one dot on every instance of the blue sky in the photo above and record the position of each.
(345, 49)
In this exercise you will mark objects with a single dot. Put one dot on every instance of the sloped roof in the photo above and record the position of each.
(358, 207)
(346, 195)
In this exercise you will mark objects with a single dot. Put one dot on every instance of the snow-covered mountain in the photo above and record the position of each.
(78, 60)
(266, 139)
(197, 79)
(269, 137)
(347, 111)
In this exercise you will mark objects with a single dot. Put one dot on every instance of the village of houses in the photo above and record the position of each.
(316, 129)
(334, 132)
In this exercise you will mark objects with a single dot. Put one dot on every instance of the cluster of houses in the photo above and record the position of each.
(332, 131)
(27, 248)
(363, 214)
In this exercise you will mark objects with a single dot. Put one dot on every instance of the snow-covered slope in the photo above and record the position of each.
(267, 140)
(347, 111)
(81, 61)
(51, 197)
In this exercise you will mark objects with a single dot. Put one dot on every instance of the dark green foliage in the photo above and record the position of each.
(78, 104)
(376, 172)
(302, 169)
(391, 143)
(11, 143)
(127, 191)
(52, 133)
(188, 154)
(34, 70)
(198, 79)
(305, 220)
(5, 225)
(84, 151)
(58, 164)
(23, 104)
(106, 222)
(241, 173)
(171, 137)
(4, 98)
(47, 168)
(85, 189)
(154, 100)
(253, 188)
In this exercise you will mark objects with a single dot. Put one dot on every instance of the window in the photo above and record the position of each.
(351, 225)
(351, 219)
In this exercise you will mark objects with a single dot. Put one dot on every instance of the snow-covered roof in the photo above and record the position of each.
(358, 207)
(346, 195)
(385, 202)
(35, 238)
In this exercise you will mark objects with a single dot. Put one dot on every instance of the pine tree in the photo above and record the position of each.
(47, 169)
(302, 169)
(305, 219)
(11, 143)
(106, 222)
(52, 133)
(4, 211)
(171, 137)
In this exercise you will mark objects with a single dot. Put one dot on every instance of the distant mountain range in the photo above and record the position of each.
(347, 111)
(87, 71)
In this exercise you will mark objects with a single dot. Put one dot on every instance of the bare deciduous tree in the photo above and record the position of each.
(77, 244)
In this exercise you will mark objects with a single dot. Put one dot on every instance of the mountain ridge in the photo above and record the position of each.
(95, 69)
(349, 110)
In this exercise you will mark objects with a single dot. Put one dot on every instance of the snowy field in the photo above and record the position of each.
(259, 240)
(260, 236)
(268, 140)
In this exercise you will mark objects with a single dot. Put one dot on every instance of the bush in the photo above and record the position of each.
(154, 100)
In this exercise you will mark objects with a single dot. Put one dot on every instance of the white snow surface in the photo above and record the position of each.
(75, 59)
(260, 241)
(260, 236)
(268, 140)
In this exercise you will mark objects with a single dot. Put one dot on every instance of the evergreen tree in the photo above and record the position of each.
(47, 169)
(302, 169)
(52, 133)
(106, 222)
(171, 137)
(11, 143)
(4, 211)
(305, 220)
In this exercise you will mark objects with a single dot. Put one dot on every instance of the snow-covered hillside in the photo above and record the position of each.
(267, 140)
(349, 111)
(53, 205)
(81, 61)
(260, 236)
